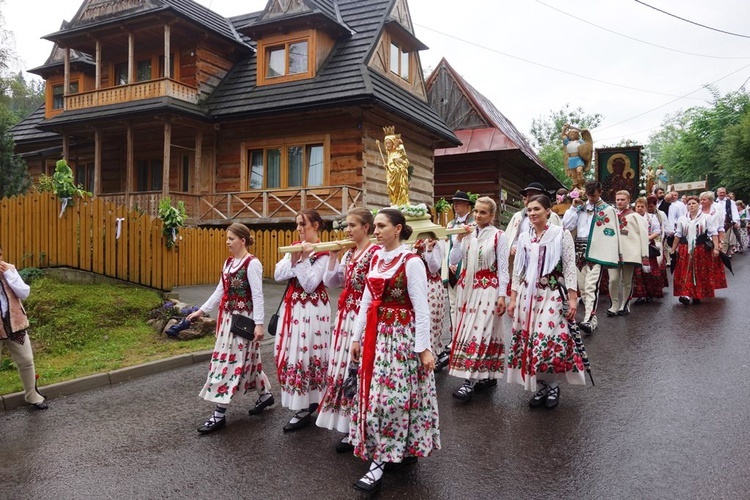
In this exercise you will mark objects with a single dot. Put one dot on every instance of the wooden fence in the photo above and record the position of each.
(33, 233)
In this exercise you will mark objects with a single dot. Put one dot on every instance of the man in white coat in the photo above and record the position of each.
(633, 252)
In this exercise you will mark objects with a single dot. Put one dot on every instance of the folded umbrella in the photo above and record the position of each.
(575, 332)
(726, 261)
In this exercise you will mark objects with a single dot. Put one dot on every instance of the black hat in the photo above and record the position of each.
(534, 186)
(461, 196)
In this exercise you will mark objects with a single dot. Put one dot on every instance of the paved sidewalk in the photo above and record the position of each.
(194, 295)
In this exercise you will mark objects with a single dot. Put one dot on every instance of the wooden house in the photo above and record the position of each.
(494, 155)
(249, 118)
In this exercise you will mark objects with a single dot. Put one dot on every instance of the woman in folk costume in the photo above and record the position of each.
(695, 274)
(395, 414)
(652, 203)
(647, 286)
(13, 326)
(235, 363)
(542, 350)
(706, 201)
(302, 344)
(350, 273)
(478, 354)
(431, 252)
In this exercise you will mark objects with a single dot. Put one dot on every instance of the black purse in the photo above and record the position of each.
(653, 251)
(242, 326)
(274, 322)
(350, 384)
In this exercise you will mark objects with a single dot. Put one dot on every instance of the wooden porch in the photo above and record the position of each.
(162, 87)
(250, 207)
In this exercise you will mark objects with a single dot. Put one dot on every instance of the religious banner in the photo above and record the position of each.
(618, 169)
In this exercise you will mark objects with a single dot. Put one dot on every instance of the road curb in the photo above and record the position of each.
(52, 391)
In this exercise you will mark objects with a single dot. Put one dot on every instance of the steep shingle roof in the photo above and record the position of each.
(344, 78)
(26, 130)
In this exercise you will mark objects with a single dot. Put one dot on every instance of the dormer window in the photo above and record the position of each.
(399, 60)
(284, 58)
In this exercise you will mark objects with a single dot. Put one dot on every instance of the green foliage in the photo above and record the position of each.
(546, 136)
(442, 206)
(173, 218)
(706, 142)
(68, 316)
(62, 183)
(14, 175)
(31, 274)
(472, 196)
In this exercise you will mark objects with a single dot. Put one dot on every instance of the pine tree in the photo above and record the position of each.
(14, 175)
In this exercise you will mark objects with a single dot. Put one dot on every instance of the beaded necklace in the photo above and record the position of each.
(384, 267)
(534, 238)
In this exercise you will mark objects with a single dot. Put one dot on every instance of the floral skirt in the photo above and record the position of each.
(541, 346)
(478, 350)
(401, 417)
(699, 274)
(436, 300)
(335, 408)
(302, 353)
(235, 365)
(651, 284)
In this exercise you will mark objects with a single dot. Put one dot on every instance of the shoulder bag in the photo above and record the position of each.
(274, 321)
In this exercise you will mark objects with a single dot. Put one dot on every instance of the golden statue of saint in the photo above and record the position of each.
(396, 167)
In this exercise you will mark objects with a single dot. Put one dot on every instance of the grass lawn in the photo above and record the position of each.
(78, 330)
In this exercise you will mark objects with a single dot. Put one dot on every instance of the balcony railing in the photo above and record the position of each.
(271, 205)
(163, 87)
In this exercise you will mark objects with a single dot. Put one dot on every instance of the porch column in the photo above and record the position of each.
(198, 161)
(167, 154)
(97, 163)
(131, 58)
(65, 146)
(167, 51)
(98, 82)
(66, 78)
(129, 165)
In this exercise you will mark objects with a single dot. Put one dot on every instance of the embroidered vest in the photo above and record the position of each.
(395, 306)
(237, 294)
(355, 274)
(298, 294)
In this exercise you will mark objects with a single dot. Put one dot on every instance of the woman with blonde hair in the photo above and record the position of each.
(235, 363)
(478, 353)
(349, 274)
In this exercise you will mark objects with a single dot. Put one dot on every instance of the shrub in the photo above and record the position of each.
(31, 274)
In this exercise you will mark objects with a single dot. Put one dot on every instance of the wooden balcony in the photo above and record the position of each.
(163, 87)
(250, 207)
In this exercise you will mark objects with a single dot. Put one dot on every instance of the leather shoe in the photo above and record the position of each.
(40, 406)
(299, 424)
(260, 405)
(390, 466)
(696, 301)
(464, 393)
(540, 397)
(343, 447)
(485, 384)
(684, 300)
(367, 484)
(553, 397)
(585, 327)
(623, 312)
(212, 425)
(609, 314)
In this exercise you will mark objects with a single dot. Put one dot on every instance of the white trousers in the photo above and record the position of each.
(621, 287)
(23, 357)
(588, 287)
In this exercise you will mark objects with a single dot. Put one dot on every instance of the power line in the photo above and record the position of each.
(636, 39)
(552, 67)
(672, 101)
(691, 22)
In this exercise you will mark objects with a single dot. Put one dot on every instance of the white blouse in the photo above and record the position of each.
(434, 257)
(309, 275)
(16, 283)
(501, 251)
(416, 285)
(254, 279)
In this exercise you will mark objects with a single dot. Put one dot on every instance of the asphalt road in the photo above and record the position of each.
(668, 418)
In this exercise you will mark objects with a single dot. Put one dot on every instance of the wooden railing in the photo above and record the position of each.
(162, 87)
(268, 206)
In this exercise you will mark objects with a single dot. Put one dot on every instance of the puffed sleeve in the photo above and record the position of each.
(359, 323)
(570, 272)
(712, 226)
(255, 280)
(284, 269)
(416, 285)
(309, 274)
(570, 219)
(679, 228)
(502, 265)
(335, 278)
(457, 252)
(16, 283)
(434, 258)
(214, 299)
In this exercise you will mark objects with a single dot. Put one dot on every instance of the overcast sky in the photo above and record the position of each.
(516, 53)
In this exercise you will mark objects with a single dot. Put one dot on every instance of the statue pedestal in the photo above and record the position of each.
(424, 228)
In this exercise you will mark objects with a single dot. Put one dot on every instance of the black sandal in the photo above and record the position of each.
(367, 483)
(553, 398)
(540, 397)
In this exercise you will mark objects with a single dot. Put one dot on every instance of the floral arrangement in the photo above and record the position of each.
(173, 218)
(419, 210)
